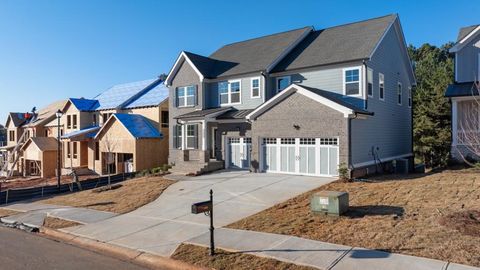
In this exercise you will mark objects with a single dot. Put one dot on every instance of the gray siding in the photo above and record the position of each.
(390, 128)
(185, 76)
(247, 102)
(467, 62)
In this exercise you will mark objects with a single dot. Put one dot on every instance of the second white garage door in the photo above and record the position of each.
(306, 156)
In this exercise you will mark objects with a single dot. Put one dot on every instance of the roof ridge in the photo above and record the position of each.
(361, 21)
(269, 35)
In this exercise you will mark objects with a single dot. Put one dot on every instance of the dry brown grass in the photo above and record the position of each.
(6, 213)
(131, 195)
(57, 223)
(397, 214)
(199, 256)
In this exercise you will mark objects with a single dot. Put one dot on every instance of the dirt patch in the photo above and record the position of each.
(466, 222)
(392, 213)
(6, 212)
(199, 256)
(57, 223)
(131, 195)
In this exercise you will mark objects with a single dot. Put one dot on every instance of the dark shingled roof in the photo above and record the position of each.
(464, 31)
(252, 55)
(337, 98)
(202, 113)
(354, 41)
(235, 114)
(18, 119)
(461, 90)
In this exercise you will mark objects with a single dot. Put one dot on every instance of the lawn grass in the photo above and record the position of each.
(131, 195)
(199, 256)
(401, 214)
(57, 223)
(7, 212)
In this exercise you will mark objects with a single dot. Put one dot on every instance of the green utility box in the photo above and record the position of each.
(331, 203)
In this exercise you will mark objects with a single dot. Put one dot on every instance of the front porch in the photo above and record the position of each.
(201, 140)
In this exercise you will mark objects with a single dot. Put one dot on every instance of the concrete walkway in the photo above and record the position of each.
(35, 213)
(317, 254)
(162, 225)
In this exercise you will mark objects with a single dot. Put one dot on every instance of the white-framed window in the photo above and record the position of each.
(283, 82)
(381, 86)
(351, 82)
(192, 136)
(370, 82)
(230, 92)
(186, 96)
(255, 90)
(399, 93)
(409, 97)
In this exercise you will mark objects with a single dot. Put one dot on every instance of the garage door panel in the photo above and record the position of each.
(323, 161)
(333, 156)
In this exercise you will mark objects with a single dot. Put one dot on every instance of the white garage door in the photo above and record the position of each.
(306, 156)
(238, 152)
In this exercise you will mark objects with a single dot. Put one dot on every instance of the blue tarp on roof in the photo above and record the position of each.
(121, 93)
(89, 131)
(153, 97)
(138, 126)
(83, 104)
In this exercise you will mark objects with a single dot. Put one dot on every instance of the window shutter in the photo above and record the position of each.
(195, 130)
(196, 95)
(175, 101)
(175, 136)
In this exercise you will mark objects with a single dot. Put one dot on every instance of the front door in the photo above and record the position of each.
(238, 155)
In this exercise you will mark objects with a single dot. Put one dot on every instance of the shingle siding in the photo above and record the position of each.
(390, 128)
(467, 62)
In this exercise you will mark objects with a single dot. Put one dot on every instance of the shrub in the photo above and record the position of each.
(343, 172)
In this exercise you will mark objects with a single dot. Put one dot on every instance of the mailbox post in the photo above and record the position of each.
(206, 207)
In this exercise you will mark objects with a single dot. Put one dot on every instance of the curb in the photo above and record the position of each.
(139, 257)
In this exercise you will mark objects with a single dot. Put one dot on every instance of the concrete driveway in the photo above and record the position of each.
(162, 225)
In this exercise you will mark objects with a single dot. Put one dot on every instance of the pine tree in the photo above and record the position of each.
(431, 127)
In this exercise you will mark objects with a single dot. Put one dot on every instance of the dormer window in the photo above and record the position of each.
(351, 82)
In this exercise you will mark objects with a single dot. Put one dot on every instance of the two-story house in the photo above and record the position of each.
(120, 130)
(464, 95)
(297, 102)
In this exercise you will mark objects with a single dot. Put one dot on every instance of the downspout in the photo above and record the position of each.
(365, 84)
(350, 159)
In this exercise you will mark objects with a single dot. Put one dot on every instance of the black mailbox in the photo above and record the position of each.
(201, 207)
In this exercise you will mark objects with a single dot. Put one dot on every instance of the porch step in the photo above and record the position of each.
(196, 167)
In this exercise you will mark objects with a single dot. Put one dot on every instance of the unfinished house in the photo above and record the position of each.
(90, 123)
(21, 127)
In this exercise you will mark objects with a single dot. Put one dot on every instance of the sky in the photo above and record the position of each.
(55, 49)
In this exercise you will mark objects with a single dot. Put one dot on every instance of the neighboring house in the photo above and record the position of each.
(3, 136)
(464, 95)
(300, 102)
(21, 128)
(131, 119)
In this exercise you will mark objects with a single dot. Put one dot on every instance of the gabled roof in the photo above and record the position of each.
(349, 42)
(121, 94)
(462, 90)
(43, 143)
(17, 118)
(83, 104)
(326, 98)
(153, 97)
(464, 31)
(137, 125)
(253, 55)
(47, 114)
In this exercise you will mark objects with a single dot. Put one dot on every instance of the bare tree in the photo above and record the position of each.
(468, 125)
(109, 145)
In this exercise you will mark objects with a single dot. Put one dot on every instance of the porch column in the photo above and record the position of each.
(454, 123)
(184, 135)
(204, 135)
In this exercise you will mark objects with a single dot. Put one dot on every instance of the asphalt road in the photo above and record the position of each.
(21, 250)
